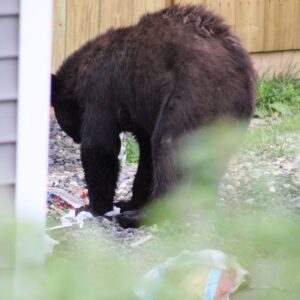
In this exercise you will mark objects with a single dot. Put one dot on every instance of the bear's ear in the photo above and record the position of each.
(56, 89)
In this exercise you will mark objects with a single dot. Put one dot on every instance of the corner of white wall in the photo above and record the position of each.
(33, 125)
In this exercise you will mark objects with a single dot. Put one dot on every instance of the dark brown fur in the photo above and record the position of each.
(176, 70)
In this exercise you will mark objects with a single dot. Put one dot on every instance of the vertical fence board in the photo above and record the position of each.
(153, 5)
(115, 13)
(82, 22)
(107, 14)
(226, 8)
(190, 2)
(59, 33)
(139, 8)
(279, 20)
(124, 13)
(263, 25)
(296, 25)
(269, 25)
(249, 23)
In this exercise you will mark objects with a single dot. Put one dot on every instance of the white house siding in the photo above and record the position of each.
(9, 32)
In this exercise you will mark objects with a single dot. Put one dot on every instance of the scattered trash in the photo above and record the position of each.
(207, 275)
(70, 219)
(116, 210)
(58, 202)
(64, 204)
(63, 200)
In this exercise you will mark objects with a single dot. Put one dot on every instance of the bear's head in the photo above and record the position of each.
(66, 108)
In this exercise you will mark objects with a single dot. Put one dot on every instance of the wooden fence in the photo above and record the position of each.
(262, 25)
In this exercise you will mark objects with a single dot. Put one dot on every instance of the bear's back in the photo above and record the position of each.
(183, 48)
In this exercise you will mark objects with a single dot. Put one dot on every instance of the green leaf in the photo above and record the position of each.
(281, 108)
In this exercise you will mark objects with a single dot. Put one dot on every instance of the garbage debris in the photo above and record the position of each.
(116, 210)
(69, 219)
(63, 200)
(207, 275)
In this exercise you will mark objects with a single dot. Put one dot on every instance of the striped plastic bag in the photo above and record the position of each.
(205, 275)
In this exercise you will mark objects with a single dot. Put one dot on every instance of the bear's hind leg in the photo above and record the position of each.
(176, 118)
(171, 123)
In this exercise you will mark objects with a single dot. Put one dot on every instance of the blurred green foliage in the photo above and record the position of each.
(279, 94)
(266, 242)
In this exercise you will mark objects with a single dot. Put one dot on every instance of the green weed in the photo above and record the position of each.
(279, 94)
(132, 150)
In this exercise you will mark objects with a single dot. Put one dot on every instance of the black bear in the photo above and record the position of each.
(176, 70)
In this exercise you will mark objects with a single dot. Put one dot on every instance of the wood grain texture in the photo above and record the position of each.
(82, 22)
(154, 5)
(279, 22)
(263, 25)
(249, 23)
(139, 8)
(275, 62)
(190, 2)
(59, 33)
(124, 13)
(107, 14)
(296, 25)
(225, 8)
(116, 13)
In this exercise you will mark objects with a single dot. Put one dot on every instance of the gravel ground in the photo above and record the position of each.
(65, 169)
(268, 178)
(250, 179)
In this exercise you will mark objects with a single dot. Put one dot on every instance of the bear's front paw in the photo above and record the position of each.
(130, 219)
(125, 205)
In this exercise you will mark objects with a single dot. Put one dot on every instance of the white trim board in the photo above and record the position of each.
(33, 126)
